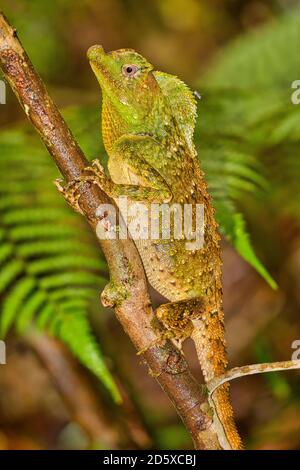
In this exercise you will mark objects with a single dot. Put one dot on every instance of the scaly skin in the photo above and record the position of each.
(147, 124)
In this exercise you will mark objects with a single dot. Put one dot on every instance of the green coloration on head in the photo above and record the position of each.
(126, 81)
(138, 100)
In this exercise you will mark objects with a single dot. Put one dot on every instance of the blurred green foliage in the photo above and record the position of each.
(51, 269)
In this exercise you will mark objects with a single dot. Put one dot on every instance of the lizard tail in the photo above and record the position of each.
(211, 352)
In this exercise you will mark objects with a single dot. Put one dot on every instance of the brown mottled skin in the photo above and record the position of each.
(148, 121)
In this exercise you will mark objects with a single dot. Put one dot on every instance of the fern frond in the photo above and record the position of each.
(247, 108)
(266, 58)
(50, 266)
(232, 173)
(233, 226)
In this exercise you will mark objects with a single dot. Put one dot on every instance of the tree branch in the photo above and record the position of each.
(166, 363)
(252, 369)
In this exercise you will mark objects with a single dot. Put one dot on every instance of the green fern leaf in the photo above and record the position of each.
(50, 266)
(256, 59)
(233, 226)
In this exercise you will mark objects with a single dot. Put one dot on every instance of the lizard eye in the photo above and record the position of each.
(129, 70)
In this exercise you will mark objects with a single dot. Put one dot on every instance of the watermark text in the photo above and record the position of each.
(2, 92)
(152, 222)
(2, 352)
(295, 97)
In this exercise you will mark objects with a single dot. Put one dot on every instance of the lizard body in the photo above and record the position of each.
(148, 121)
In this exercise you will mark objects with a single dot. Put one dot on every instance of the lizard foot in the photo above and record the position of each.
(71, 191)
(97, 169)
(164, 333)
(176, 319)
(162, 337)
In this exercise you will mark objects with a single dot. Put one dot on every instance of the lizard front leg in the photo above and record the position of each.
(128, 149)
(132, 151)
(71, 191)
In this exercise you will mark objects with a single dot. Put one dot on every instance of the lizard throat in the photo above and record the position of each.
(113, 126)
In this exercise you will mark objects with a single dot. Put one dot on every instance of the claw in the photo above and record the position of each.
(96, 168)
(71, 190)
(70, 193)
(58, 183)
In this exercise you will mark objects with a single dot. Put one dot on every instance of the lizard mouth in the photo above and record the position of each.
(106, 70)
(100, 64)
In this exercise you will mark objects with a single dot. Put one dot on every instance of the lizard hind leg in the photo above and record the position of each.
(177, 318)
(204, 324)
(175, 322)
(201, 322)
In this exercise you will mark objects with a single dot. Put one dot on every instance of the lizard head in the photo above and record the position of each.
(126, 81)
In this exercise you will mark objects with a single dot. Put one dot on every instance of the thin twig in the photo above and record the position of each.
(165, 362)
(252, 369)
